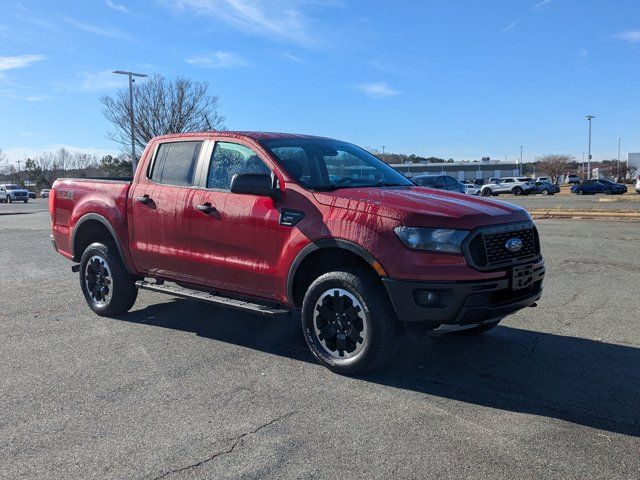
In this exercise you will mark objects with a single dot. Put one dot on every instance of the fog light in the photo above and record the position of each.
(426, 297)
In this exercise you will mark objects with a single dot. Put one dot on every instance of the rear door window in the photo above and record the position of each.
(175, 163)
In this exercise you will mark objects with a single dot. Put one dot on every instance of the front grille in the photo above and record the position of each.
(487, 250)
(20, 194)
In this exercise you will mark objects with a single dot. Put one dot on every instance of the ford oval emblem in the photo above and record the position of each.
(513, 244)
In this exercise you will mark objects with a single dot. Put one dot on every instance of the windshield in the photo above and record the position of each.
(13, 187)
(324, 164)
(603, 180)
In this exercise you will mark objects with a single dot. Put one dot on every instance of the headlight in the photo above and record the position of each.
(434, 239)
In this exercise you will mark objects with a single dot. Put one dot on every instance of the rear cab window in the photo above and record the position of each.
(175, 163)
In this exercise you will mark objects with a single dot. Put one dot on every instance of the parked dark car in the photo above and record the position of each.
(31, 194)
(441, 182)
(545, 188)
(609, 182)
(591, 187)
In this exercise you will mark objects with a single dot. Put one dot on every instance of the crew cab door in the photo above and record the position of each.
(159, 206)
(235, 239)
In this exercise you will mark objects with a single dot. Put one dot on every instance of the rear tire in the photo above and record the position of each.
(486, 192)
(517, 191)
(544, 192)
(578, 191)
(607, 191)
(106, 285)
(348, 322)
(480, 329)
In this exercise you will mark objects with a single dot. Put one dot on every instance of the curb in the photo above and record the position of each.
(547, 213)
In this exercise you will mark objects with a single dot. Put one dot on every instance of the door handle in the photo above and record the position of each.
(206, 208)
(145, 199)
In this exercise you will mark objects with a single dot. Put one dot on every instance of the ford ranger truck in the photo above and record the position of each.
(276, 223)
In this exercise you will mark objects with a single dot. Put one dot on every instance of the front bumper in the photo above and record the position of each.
(461, 303)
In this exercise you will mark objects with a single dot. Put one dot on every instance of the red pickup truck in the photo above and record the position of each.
(278, 223)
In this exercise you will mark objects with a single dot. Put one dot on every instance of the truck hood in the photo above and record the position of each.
(424, 207)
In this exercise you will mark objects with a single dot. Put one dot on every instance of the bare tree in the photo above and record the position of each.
(3, 157)
(161, 107)
(554, 165)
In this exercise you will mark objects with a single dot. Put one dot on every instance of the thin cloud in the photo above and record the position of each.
(92, 82)
(218, 60)
(16, 153)
(629, 36)
(509, 27)
(19, 61)
(116, 6)
(284, 20)
(377, 90)
(97, 29)
(541, 4)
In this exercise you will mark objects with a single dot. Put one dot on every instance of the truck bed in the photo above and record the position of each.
(75, 197)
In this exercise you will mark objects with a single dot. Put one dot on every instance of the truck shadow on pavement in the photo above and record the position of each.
(578, 380)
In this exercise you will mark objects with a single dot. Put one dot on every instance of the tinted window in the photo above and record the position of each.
(229, 159)
(175, 163)
(440, 182)
(425, 181)
(452, 183)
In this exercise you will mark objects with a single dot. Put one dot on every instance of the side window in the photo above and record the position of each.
(229, 159)
(452, 183)
(440, 183)
(175, 163)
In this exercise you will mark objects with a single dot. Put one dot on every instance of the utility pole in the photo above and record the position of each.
(383, 147)
(589, 118)
(619, 143)
(520, 169)
(131, 114)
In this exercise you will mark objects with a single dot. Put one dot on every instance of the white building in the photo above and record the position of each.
(461, 170)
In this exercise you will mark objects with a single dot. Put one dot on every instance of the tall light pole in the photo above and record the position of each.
(589, 118)
(131, 115)
(619, 143)
(520, 170)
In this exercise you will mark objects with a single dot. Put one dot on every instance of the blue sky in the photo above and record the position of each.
(461, 79)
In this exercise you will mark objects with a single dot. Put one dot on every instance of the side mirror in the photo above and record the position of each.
(260, 184)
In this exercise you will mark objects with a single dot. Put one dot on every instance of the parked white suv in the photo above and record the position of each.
(514, 185)
(638, 185)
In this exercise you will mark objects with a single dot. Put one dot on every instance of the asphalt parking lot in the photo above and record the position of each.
(176, 389)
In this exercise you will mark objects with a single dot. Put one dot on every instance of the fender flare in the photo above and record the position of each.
(324, 243)
(107, 225)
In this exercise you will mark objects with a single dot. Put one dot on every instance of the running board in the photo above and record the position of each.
(181, 292)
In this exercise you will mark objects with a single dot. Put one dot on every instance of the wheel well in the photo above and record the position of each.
(320, 262)
(89, 232)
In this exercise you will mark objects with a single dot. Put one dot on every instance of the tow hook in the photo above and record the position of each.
(75, 268)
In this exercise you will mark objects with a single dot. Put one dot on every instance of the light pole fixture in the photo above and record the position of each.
(131, 115)
(520, 170)
(619, 144)
(589, 118)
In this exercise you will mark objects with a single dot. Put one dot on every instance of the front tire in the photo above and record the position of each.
(9, 199)
(348, 322)
(578, 192)
(106, 285)
(544, 192)
(486, 192)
